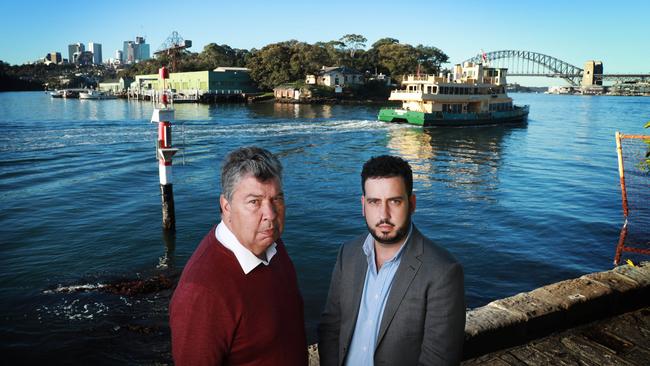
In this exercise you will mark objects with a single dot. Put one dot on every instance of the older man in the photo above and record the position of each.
(237, 302)
(395, 298)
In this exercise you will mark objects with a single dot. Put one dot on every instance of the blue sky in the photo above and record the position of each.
(615, 32)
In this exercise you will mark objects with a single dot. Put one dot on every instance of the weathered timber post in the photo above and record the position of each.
(164, 153)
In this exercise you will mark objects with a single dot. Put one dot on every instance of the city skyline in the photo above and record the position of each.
(574, 32)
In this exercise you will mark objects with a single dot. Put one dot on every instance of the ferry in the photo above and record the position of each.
(472, 95)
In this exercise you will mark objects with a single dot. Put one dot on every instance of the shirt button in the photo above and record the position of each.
(365, 349)
(376, 297)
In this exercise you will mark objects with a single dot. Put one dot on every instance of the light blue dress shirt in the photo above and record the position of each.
(373, 301)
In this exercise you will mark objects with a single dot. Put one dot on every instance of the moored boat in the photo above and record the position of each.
(473, 95)
(95, 94)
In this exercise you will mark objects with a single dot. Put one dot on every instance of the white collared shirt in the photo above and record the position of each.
(247, 260)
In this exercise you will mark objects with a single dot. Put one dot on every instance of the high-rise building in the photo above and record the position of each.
(143, 52)
(85, 58)
(135, 51)
(96, 49)
(53, 58)
(74, 50)
(119, 56)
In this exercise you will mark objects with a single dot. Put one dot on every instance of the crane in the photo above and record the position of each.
(173, 47)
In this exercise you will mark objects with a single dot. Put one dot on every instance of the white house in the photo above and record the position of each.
(335, 76)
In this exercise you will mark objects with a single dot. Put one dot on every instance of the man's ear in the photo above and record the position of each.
(363, 206)
(225, 208)
(412, 203)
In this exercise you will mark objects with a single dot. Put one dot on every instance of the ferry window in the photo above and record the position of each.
(434, 90)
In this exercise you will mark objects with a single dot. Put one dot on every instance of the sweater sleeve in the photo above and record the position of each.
(202, 326)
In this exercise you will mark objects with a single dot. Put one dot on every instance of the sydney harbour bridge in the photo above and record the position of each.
(528, 63)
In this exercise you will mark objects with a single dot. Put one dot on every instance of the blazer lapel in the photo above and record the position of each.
(408, 268)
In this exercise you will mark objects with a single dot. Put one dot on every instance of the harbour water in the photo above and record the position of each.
(519, 206)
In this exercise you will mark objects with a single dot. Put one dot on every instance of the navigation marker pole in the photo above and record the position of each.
(164, 153)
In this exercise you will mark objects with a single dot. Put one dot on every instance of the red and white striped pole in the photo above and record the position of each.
(164, 153)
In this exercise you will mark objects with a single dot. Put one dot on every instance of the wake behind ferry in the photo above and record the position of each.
(472, 95)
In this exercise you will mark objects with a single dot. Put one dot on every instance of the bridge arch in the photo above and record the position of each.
(528, 63)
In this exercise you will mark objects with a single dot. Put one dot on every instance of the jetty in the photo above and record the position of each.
(601, 318)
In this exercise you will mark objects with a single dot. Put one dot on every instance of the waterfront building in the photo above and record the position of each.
(636, 88)
(74, 50)
(222, 80)
(96, 49)
(335, 76)
(115, 86)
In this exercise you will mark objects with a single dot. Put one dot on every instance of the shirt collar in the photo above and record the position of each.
(369, 247)
(247, 260)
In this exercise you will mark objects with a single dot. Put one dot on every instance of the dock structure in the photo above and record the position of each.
(619, 340)
(601, 318)
(221, 84)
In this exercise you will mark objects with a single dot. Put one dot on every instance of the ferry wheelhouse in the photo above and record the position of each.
(472, 94)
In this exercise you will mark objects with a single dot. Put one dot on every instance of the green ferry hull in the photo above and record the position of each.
(441, 119)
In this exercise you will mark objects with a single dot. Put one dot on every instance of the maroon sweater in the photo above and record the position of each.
(220, 316)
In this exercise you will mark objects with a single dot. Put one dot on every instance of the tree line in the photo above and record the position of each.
(290, 61)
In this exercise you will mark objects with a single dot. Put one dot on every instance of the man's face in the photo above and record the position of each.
(255, 214)
(387, 209)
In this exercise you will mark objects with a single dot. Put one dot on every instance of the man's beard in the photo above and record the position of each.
(400, 233)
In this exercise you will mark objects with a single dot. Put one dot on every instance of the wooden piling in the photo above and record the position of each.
(168, 212)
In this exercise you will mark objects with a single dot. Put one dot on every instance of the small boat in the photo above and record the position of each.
(56, 94)
(473, 95)
(95, 94)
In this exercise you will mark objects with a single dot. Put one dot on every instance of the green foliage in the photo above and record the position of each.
(353, 42)
(274, 64)
(39, 76)
(289, 61)
(373, 89)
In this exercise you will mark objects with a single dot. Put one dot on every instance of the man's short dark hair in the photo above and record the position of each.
(387, 166)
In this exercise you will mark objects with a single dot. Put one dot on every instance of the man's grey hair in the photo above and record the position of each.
(248, 161)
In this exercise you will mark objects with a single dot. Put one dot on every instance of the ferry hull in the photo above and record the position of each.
(441, 119)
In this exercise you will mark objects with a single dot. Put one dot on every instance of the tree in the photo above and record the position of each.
(214, 55)
(384, 41)
(397, 59)
(271, 66)
(353, 42)
(430, 58)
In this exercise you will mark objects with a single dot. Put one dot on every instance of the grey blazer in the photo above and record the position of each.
(424, 318)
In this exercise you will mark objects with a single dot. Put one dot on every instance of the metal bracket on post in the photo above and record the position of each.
(167, 153)
(162, 115)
